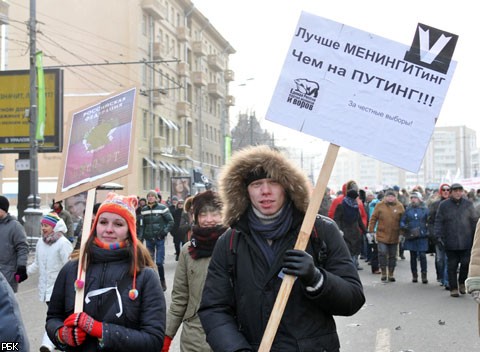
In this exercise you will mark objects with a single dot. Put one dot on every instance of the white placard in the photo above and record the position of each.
(356, 89)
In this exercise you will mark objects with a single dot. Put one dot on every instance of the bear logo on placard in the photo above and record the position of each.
(307, 87)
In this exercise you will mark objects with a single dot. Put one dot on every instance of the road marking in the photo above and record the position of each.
(382, 343)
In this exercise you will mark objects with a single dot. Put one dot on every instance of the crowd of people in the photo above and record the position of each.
(233, 248)
(437, 222)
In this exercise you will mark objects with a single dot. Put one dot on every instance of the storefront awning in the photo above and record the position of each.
(176, 168)
(167, 166)
(170, 124)
(150, 162)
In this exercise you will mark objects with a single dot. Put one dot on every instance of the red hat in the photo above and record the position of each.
(125, 207)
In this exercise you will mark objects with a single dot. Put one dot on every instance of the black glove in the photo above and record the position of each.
(21, 274)
(299, 263)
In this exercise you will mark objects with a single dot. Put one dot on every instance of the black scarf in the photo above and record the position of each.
(270, 229)
(203, 240)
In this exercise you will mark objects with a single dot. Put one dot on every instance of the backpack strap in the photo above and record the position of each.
(319, 246)
(231, 253)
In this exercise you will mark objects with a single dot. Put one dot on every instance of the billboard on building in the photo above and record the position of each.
(180, 187)
(15, 101)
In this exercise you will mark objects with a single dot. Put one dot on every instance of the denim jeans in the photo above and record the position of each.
(413, 261)
(441, 265)
(387, 255)
(157, 251)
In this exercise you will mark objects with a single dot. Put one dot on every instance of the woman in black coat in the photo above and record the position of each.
(124, 307)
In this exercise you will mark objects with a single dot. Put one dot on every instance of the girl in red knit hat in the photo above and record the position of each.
(124, 305)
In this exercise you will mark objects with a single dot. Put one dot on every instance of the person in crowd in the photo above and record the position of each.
(338, 200)
(265, 197)
(369, 197)
(138, 211)
(440, 254)
(372, 242)
(414, 225)
(157, 223)
(173, 204)
(472, 283)
(124, 306)
(191, 272)
(386, 219)
(12, 328)
(404, 200)
(454, 228)
(403, 196)
(181, 225)
(75, 205)
(14, 247)
(326, 203)
(347, 217)
(51, 254)
(79, 235)
(57, 207)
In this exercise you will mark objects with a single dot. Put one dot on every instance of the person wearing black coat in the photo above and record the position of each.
(124, 307)
(265, 198)
(454, 229)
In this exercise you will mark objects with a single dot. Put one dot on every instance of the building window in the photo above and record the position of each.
(161, 128)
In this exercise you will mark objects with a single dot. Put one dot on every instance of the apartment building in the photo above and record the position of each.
(168, 49)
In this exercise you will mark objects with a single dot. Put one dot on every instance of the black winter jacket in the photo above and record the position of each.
(235, 317)
(455, 224)
(157, 222)
(140, 327)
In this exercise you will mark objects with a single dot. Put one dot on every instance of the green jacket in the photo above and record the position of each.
(157, 221)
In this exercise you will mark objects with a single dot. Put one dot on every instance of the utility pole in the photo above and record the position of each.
(33, 212)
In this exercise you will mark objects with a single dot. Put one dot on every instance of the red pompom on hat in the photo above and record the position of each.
(125, 207)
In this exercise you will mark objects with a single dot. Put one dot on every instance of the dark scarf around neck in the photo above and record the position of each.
(272, 230)
(203, 240)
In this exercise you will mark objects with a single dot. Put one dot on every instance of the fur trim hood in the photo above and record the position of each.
(233, 190)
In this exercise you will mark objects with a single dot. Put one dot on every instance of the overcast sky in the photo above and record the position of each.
(261, 31)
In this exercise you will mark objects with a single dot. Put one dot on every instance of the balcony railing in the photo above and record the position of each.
(154, 8)
(216, 62)
(199, 78)
(199, 48)
(229, 75)
(183, 109)
(216, 90)
(182, 34)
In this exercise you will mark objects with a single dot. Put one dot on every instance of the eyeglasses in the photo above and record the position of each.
(445, 189)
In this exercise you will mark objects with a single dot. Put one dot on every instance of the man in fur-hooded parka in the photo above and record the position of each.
(245, 271)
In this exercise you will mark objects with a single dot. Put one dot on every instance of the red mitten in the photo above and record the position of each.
(89, 325)
(166, 343)
(71, 336)
(71, 320)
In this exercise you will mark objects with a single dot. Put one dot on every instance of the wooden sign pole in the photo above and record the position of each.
(301, 244)
(87, 225)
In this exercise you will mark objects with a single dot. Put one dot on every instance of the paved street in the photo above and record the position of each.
(398, 317)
